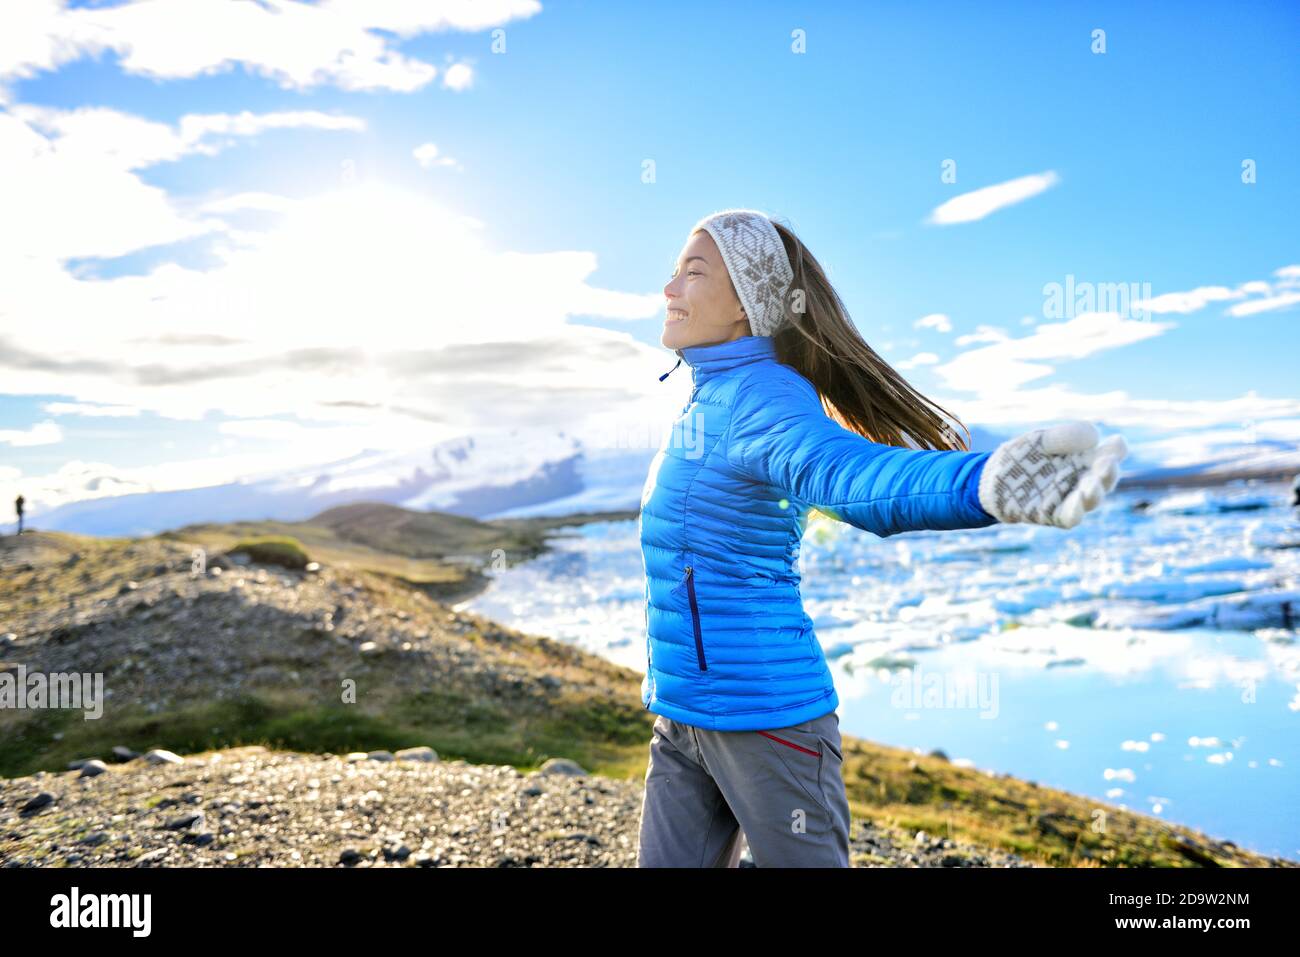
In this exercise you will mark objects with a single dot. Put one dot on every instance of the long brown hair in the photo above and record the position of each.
(859, 389)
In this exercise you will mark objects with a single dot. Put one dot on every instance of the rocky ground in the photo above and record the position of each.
(163, 632)
(250, 807)
(170, 642)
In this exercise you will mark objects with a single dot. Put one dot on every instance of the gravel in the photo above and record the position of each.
(251, 807)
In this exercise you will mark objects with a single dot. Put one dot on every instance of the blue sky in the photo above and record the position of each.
(223, 255)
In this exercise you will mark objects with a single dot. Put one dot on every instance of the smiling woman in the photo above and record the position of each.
(746, 700)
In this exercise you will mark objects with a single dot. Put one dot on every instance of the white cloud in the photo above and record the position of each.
(1118, 407)
(282, 429)
(426, 154)
(458, 76)
(1185, 302)
(254, 201)
(1009, 363)
(79, 202)
(298, 44)
(996, 377)
(920, 359)
(130, 142)
(936, 321)
(367, 303)
(90, 409)
(982, 333)
(71, 179)
(1270, 304)
(194, 127)
(75, 480)
(43, 433)
(408, 18)
(1196, 299)
(979, 203)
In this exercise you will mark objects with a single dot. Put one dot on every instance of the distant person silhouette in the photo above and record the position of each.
(18, 504)
(1295, 492)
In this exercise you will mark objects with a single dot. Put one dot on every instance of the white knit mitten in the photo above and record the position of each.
(1051, 476)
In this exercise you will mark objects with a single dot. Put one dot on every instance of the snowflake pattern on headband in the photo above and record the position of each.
(755, 257)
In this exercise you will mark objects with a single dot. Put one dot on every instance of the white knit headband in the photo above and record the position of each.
(755, 257)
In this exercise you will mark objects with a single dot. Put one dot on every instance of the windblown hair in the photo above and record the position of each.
(859, 389)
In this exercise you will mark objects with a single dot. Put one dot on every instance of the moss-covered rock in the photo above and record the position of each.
(284, 551)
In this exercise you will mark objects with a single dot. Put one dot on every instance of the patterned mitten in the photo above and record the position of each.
(1051, 476)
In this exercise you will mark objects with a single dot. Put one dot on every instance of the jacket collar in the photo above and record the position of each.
(709, 360)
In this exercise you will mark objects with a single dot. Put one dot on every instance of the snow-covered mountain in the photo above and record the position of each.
(1210, 462)
(507, 473)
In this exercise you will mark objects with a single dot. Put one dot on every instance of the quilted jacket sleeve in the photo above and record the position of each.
(781, 436)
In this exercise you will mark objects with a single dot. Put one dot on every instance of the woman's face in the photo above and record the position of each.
(703, 308)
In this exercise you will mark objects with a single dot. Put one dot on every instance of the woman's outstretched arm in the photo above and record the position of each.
(781, 436)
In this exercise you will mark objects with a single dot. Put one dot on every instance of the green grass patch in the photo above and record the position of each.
(600, 736)
(274, 550)
(275, 721)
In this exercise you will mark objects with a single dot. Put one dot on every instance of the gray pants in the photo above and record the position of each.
(780, 790)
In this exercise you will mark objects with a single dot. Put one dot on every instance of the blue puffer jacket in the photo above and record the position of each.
(728, 644)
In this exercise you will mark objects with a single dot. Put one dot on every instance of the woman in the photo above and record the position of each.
(747, 741)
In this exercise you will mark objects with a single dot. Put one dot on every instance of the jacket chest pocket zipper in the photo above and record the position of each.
(695, 617)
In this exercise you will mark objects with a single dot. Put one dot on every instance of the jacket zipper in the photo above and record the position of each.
(695, 617)
(649, 664)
